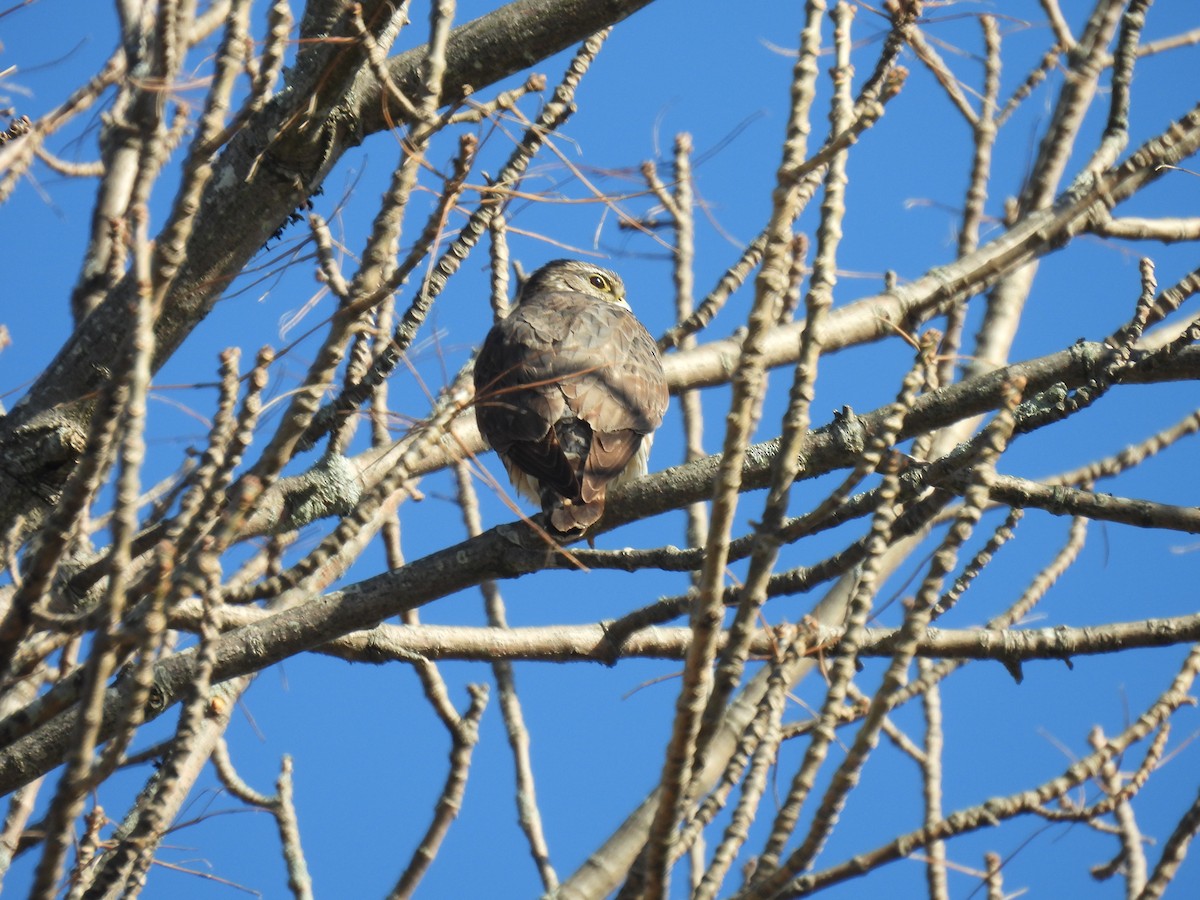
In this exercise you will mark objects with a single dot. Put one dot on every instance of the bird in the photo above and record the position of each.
(569, 389)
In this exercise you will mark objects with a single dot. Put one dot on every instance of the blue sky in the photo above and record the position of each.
(369, 755)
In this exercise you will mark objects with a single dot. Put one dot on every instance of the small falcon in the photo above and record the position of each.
(569, 388)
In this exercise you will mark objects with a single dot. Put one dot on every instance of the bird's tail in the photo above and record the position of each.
(570, 516)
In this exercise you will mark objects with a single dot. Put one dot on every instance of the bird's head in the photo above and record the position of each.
(579, 277)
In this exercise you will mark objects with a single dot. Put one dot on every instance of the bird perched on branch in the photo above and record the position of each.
(569, 388)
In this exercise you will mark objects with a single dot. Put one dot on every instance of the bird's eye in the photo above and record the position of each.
(599, 281)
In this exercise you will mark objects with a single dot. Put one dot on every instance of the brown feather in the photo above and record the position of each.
(546, 462)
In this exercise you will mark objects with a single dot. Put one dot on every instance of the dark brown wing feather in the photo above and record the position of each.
(546, 462)
(567, 386)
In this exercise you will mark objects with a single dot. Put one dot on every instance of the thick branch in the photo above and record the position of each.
(583, 643)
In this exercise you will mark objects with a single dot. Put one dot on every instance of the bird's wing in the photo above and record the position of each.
(620, 391)
(517, 399)
(612, 377)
